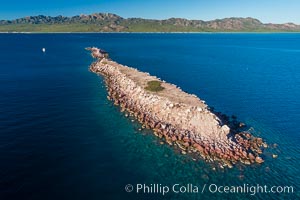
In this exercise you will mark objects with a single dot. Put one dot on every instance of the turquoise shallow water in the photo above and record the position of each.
(61, 138)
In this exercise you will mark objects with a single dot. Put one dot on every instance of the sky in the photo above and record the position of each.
(268, 11)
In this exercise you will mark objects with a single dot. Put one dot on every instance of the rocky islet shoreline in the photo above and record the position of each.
(181, 119)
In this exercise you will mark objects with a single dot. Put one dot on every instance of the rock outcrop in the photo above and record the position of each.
(180, 118)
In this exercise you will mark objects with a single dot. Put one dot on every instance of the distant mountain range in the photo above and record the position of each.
(106, 22)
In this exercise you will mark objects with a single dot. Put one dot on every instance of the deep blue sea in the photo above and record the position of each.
(60, 138)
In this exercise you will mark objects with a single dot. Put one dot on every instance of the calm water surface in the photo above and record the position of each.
(60, 138)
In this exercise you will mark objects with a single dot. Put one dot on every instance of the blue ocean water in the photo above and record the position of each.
(60, 138)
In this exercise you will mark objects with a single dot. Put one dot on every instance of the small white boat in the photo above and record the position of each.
(44, 49)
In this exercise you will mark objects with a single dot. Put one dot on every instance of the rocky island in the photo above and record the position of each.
(179, 118)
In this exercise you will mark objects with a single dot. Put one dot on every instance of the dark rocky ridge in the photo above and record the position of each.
(103, 22)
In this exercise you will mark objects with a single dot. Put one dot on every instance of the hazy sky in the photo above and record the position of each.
(276, 11)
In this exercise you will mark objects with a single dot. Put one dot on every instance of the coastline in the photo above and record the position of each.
(150, 32)
(181, 119)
